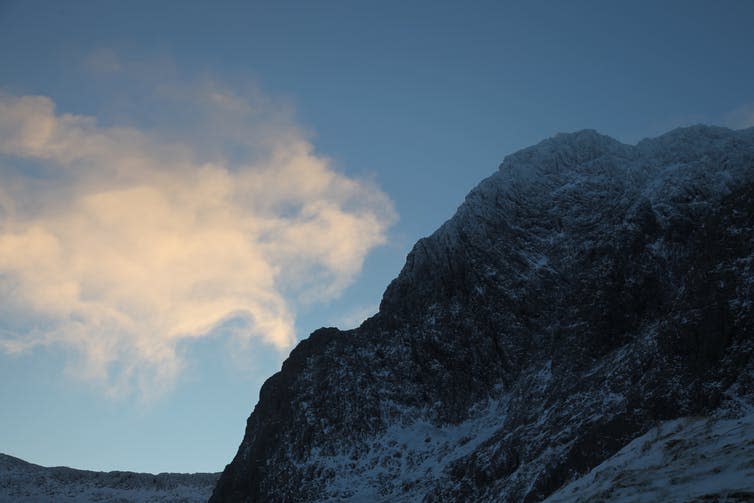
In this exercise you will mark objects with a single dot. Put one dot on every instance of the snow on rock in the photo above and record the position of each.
(687, 459)
(405, 457)
(22, 482)
(584, 293)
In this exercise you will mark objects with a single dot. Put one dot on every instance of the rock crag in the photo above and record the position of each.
(583, 294)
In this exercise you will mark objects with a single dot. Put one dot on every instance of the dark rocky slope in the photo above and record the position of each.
(581, 294)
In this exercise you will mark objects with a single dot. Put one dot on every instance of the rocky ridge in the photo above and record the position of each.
(583, 294)
(22, 482)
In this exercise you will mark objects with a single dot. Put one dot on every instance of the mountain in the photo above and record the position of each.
(586, 294)
(22, 482)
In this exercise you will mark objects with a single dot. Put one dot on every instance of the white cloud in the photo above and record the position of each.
(121, 244)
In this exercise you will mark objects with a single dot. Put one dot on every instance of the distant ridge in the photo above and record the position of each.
(22, 482)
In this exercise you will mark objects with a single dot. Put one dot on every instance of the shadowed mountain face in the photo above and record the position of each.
(583, 293)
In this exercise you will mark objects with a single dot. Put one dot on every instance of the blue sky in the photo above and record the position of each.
(372, 120)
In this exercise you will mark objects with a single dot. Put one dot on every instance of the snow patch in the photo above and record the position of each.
(680, 460)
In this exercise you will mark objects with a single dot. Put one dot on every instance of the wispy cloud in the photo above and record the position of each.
(103, 60)
(122, 242)
(741, 117)
(355, 317)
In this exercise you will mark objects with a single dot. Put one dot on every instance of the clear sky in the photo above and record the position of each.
(187, 188)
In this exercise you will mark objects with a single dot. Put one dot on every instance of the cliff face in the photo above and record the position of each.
(581, 294)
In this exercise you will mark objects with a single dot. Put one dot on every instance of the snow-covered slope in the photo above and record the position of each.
(22, 482)
(582, 294)
(688, 459)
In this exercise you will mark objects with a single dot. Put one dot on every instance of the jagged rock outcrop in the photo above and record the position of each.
(583, 293)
